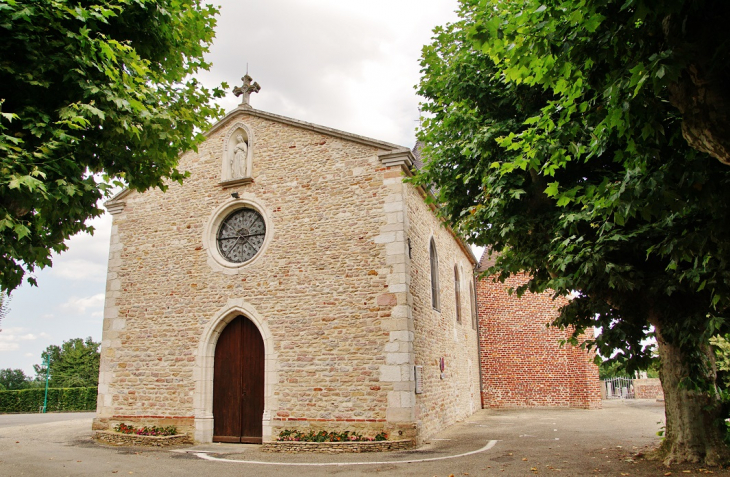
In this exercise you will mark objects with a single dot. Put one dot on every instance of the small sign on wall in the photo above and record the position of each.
(418, 371)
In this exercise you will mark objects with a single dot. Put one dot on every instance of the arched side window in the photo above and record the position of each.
(457, 294)
(473, 299)
(435, 300)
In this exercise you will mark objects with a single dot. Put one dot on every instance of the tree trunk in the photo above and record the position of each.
(693, 418)
(705, 112)
(701, 92)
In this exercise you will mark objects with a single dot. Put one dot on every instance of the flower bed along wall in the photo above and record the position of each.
(118, 439)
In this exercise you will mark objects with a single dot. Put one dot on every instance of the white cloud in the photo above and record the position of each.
(80, 305)
(11, 338)
(97, 244)
(347, 65)
(87, 255)
(79, 269)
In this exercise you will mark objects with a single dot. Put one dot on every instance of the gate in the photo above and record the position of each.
(619, 388)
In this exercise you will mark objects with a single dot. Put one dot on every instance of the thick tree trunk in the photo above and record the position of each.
(703, 102)
(702, 91)
(693, 418)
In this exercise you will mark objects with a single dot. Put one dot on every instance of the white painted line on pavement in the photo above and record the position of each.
(204, 455)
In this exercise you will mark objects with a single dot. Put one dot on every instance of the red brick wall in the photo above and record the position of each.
(522, 362)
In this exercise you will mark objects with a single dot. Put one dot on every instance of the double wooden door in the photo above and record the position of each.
(238, 383)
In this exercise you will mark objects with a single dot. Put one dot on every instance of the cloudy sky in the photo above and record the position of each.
(346, 64)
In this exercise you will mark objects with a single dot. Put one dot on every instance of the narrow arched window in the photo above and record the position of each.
(457, 294)
(473, 299)
(435, 300)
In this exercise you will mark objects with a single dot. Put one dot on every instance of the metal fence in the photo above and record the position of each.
(619, 388)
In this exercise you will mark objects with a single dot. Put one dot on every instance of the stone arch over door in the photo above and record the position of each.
(205, 362)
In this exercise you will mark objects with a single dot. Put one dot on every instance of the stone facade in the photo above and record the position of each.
(452, 394)
(338, 290)
(522, 361)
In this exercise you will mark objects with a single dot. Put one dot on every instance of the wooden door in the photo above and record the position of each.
(238, 383)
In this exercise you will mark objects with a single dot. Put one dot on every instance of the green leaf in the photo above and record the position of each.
(21, 230)
(552, 189)
(119, 74)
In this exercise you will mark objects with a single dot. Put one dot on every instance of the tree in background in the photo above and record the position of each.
(74, 364)
(92, 93)
(586, 184)
(612, 368)
(13, 379)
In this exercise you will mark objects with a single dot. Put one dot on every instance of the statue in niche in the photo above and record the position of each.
(238, 159)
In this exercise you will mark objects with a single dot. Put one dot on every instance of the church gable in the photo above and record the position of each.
(283, 223)
(250, 145)
(297, 260)
(305, 244)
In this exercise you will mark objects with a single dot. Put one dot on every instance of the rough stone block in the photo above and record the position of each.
(390, 373)
(397, 358)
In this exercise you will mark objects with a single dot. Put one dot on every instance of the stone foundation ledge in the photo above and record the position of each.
(119, 439)
(295, 447)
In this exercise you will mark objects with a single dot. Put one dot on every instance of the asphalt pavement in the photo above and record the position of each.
(10, 420)
(491, 442)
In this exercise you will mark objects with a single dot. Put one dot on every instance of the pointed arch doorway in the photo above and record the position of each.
(238, 383)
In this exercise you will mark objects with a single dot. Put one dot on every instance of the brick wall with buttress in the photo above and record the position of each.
(522, 361)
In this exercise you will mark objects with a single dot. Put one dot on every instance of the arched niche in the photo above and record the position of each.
(237, 160)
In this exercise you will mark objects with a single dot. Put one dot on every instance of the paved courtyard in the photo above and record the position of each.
(491, 442)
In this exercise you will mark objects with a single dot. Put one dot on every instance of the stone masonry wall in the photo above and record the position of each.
(648, 388)
(117, 439)
(522, 362)
(293, 447)
(322, 285)
(453, 395)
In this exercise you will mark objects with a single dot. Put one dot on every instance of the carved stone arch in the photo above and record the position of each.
(229, 159)
(205, 360)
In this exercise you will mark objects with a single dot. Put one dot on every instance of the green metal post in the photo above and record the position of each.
(48, 371)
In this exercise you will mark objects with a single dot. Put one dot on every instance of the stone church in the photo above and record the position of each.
(295, 281)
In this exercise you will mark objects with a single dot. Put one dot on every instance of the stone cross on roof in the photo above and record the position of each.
(246, 90)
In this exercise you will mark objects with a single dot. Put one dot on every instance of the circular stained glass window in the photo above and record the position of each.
(241, 235)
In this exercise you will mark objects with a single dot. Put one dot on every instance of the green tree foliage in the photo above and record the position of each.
(598, 56)
(74, 364)
(721, 346)
(59, 400)
(92, 93)
(13, 379)
(586, 183)
(612, 369)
